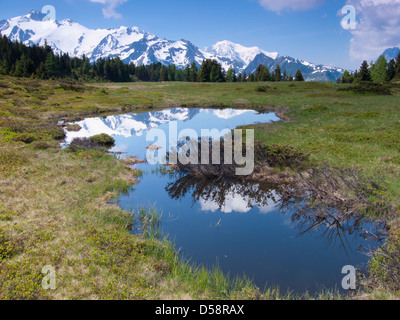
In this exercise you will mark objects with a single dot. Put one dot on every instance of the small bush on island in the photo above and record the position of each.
(99, 142)
(103, 140)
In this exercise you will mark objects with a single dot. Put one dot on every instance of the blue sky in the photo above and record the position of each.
(307, 29)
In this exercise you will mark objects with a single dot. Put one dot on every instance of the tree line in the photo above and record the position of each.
(380, 71)
(40, 62)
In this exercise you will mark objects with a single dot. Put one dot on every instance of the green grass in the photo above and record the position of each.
(55, 204)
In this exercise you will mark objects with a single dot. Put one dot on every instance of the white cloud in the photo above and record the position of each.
(280, 5)
(234, 202)
(378, 28)
(110, 7)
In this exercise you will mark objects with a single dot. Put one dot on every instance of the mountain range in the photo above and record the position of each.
(141, 48)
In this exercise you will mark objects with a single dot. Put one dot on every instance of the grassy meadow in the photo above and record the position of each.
(55, 205)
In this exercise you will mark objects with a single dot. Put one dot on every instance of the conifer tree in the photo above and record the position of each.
(251, 77)
(231, 75)
(187, 74)
(347, 77)
(299, 76)
(364, 74)
(379, 70)
(164, 74)
(391, 70)
(285, 77)
(278, 74)
(193, 72)
(397, 66)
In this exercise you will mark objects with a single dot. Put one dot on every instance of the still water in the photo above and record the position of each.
(243, 227)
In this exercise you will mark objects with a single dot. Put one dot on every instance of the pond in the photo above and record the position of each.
(244, 228)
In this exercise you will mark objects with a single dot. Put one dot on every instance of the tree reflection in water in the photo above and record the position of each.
(336, 226)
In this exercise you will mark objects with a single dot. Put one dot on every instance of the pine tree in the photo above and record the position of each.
(299, 76)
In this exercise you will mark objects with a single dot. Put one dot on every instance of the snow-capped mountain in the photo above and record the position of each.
(391, 53)
(242, 56)
(141, 48)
